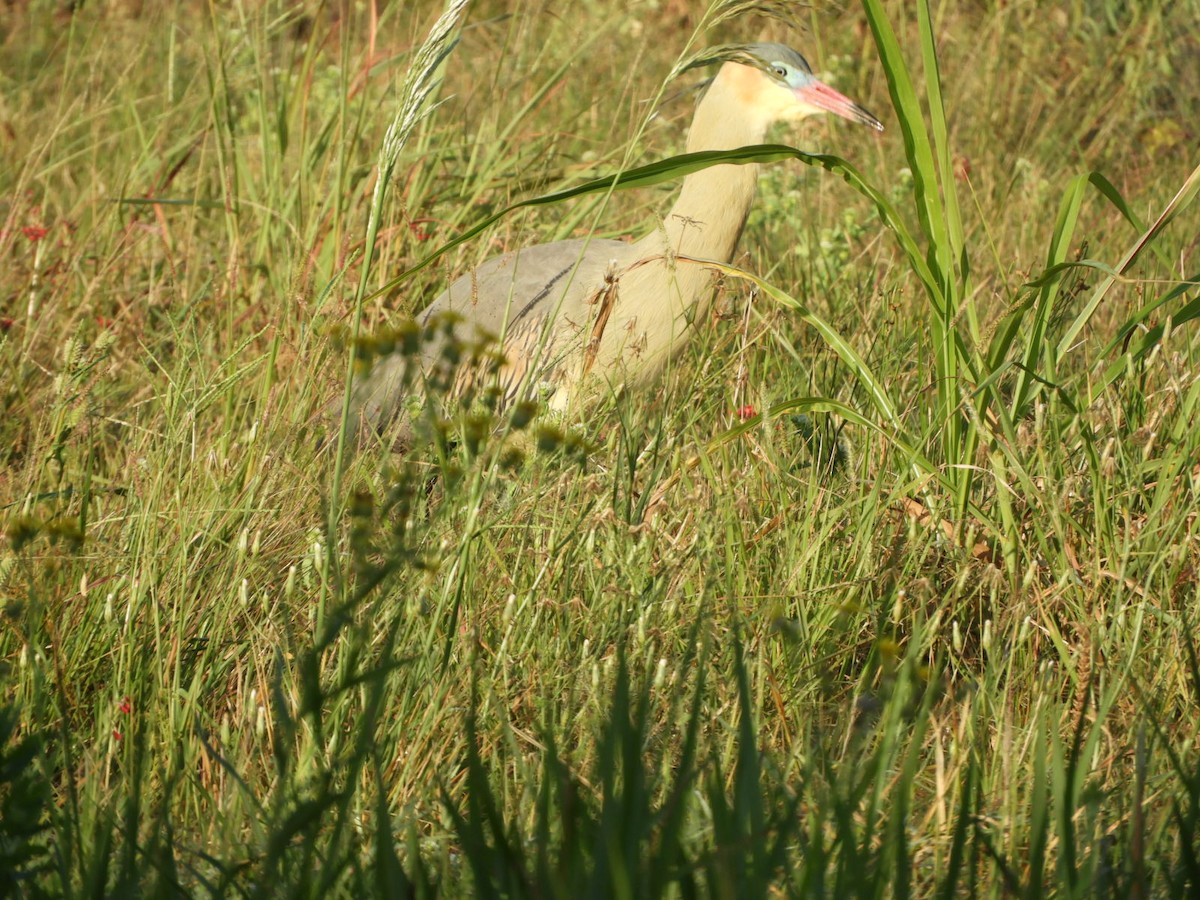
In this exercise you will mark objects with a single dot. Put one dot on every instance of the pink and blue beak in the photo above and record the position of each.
(792, 70)
(817, 93)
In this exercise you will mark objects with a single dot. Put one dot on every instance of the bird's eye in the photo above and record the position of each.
(781, 71)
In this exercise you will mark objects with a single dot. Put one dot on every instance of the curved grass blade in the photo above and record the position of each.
(1181, 200)
(1006, 333)
(1139, 350)
(684, 164)
(875, 389)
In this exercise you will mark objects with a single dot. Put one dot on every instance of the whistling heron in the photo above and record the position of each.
(601, 312)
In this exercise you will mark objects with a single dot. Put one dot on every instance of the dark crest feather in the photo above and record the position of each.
(761, 56)
(758, 55)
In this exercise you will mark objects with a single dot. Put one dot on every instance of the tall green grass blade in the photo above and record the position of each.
(949, 887)
(1038, 834)
(941, 224)
(951, 246)
(917, 148)
(1043, 309)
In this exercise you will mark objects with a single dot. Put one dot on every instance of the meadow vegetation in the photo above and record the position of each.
(890, 589)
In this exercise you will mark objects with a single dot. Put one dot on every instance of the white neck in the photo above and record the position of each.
(711, 211)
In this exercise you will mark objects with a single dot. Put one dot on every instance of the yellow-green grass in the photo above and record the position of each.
(942, 643)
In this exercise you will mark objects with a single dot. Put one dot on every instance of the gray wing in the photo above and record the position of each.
(531, 284)
(527, 300)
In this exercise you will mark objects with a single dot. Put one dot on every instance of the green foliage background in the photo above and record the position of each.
(939, 642)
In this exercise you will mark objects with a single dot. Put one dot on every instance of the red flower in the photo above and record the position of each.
(117, 735)
(5, 323)
(34, 232)
(415, 226)
(746, 412)
(126, 705)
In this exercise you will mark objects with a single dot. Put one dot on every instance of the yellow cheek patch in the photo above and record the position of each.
(754, 90)
(746, 83)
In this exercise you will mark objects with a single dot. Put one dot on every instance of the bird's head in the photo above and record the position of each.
(777, 82)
